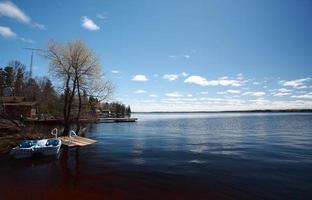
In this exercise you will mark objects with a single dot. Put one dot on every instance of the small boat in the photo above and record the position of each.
(45, 147)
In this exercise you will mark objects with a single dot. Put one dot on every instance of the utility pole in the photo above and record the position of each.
(31, 58)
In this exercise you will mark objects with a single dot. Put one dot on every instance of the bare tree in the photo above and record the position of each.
(78, 68)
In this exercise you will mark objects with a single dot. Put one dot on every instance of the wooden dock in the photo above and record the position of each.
(74, 141)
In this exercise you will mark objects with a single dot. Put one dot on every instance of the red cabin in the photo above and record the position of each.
(17, 107)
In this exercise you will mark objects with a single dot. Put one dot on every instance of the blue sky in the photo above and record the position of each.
(178, 55)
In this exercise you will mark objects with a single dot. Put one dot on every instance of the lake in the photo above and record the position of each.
(175, 156)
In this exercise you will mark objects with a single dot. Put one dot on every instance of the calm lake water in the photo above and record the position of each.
(175, 156)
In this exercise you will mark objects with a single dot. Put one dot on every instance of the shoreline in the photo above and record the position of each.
(234, 111)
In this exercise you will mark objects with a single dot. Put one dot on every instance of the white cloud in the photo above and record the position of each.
(139, 91)
(9, 9)
(299, 83)
(223, 77)
(189, 95)
(153, 95)
(258, 94)
(240, 76)
(174, 94)
(233, 91)
(187, 56)
(302, 92)
(27, 40)
(39, 26)
(304, 96)
(89, 24)
(6, 32)
(102, 16)
(139, 77)
(256, 83)
(198, 80)
(283, 90)
(171, 77)
(230, 92)
(234, 83)
(184, 74)
(281, 94)
(247, 93)
(115, 71)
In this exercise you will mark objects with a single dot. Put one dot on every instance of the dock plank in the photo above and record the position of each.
(76, 141)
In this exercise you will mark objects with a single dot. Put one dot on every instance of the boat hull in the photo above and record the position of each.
(40, 147)
(21, 152)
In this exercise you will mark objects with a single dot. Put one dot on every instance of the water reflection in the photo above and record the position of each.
(70, 166)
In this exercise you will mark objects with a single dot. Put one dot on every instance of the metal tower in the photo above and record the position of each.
(31, 58)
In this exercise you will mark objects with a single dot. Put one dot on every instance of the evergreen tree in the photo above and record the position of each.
(9, 77)
(2, 81)
(19, 82)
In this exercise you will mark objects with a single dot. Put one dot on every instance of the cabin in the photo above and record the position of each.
(105, 113)
(15, 106)
(102, 113)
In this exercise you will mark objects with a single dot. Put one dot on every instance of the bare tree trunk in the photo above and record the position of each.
(69, 102)
(65, 108)
(79, 108)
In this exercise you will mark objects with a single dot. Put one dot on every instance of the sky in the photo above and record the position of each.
(177, 55)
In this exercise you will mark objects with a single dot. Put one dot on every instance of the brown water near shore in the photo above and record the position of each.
(71, 176)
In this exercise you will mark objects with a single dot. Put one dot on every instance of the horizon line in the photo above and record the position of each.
(232, 111)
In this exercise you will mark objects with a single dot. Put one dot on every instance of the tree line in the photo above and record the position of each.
(117, 109)
(81, 86)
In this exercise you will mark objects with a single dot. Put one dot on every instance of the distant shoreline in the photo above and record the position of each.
(234, 111)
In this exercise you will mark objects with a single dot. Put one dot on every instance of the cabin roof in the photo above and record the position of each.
(12, 99)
